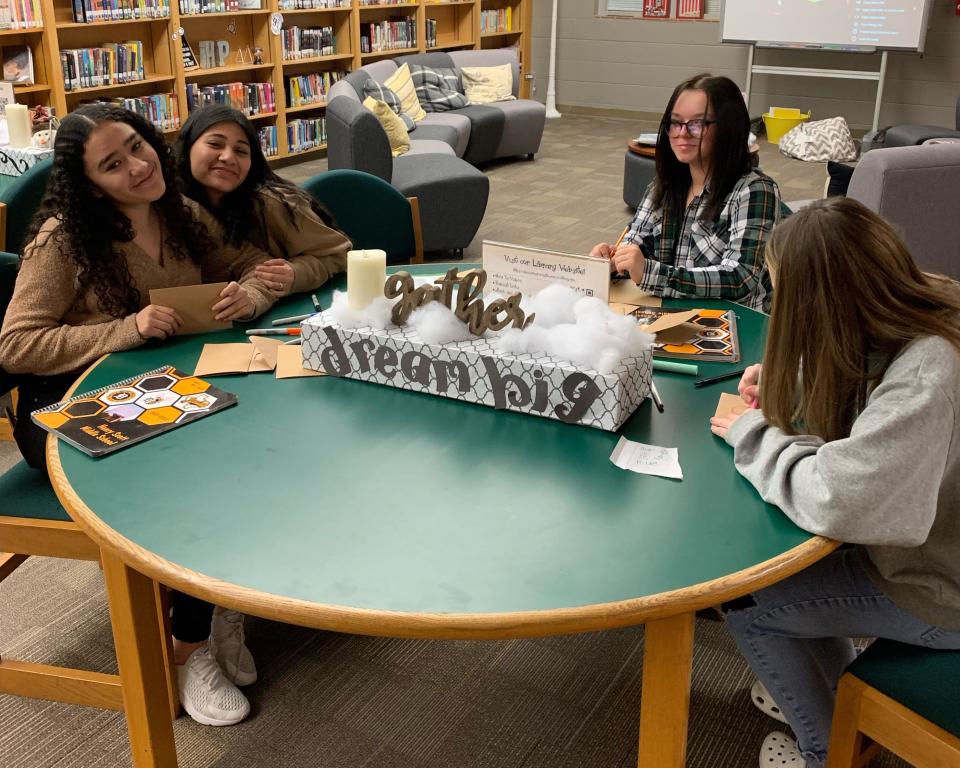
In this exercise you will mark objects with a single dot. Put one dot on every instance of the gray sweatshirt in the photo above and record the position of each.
(893, 485)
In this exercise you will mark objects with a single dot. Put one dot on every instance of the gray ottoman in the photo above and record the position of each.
(638, 172)
(908, 135)
(452, 196)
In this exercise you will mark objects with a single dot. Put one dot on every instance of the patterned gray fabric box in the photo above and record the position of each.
(474, 371)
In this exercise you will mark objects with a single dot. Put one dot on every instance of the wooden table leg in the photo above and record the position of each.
(665, 696)
(136, 635)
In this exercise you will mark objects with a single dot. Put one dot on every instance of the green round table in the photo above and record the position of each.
(351, 506)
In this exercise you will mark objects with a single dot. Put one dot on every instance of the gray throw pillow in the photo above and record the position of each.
(390, 98)
(437, 88)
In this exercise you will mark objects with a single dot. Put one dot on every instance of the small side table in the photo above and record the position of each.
(14, 162)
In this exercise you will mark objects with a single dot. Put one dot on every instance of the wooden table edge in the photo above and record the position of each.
(382, 623)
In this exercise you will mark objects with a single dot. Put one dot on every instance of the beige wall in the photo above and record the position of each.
(633, 64)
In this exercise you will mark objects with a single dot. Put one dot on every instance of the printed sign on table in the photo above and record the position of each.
(515, 268)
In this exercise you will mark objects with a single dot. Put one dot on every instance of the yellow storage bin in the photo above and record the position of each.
(779, 120)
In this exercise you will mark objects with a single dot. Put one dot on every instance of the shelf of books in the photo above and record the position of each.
(275, 60)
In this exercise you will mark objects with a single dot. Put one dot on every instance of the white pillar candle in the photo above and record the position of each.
(18, 125)
(366, 274)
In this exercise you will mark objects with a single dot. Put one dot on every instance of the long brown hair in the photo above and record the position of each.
(848, 298)
(730, 159)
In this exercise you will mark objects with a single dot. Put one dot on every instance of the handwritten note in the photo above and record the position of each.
(647, 459)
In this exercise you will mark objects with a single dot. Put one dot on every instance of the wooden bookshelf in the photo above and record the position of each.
(457, 24)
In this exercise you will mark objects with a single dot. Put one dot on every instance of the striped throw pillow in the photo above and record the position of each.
(437, 88)
(374, 90)
(401, 84)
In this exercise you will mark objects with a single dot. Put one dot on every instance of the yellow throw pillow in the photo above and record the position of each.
(401, 84)
(484, 85)
(392, 124)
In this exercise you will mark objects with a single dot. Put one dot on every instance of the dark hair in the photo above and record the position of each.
(729, 160)
(241, 212)
(89, 226)
(844, 270)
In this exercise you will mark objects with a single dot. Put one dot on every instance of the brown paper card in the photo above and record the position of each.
(622, 309)
(628, 292)
(192, 303)
(290, 363)
(220, 359)
(266, 351)
(730, 405)
(671, 320)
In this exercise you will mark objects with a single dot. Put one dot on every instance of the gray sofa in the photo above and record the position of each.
(439, 169)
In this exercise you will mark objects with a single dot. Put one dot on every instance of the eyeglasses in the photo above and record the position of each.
(694, 127)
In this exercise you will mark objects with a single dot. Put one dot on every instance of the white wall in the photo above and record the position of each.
(632, 64)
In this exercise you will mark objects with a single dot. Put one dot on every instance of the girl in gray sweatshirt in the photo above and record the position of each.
(854, 435)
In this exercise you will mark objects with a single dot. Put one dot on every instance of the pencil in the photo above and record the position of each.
(655, 395)
(316, 302)
(273, 332)
(619, 240)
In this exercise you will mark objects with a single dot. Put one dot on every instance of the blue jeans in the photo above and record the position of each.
(795, 635)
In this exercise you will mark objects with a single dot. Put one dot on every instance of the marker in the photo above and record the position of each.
(672, 367)
(294, 341)
(273, 332)
(294, 319)
(316, 302)
(657, 401)
(722, 377)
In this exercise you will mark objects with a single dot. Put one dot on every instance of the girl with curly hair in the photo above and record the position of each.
(112, 226)
(222, 166)
(853, 432)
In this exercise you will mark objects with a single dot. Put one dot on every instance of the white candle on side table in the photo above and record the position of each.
(366, 274)
(18, 125)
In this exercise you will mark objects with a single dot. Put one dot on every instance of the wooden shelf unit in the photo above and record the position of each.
(458, 27)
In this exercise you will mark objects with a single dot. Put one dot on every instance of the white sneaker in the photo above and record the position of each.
(780, 751)
(229, 649)
(206, 694)
(763, 701)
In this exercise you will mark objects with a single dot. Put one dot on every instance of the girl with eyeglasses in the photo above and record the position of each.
(853, 432)
(700, 228)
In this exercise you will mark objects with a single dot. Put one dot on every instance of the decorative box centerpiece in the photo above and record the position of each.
(513, 368)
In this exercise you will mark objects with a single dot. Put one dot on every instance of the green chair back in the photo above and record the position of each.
(31, 491)
(371, 212)
(922, 680)
(22, 198)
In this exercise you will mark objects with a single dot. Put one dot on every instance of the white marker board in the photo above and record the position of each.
(897, 25)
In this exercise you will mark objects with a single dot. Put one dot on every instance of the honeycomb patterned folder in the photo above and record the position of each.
(713, 336)
(132, 410)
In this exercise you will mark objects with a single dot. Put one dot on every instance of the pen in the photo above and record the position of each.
(316, 302)
(294, 341)
(613, 250)
(294, 319)
(721, 377)
(657, 401)
(273, 332)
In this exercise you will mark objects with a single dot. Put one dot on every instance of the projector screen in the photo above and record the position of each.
(843, 24)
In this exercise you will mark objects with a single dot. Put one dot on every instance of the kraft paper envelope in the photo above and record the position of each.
(266, 347)
(219, 359)
(671, 320)
(290, 363)
(628, 292)
(730, 405)
(192, 303)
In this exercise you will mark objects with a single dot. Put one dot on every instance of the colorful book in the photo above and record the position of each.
(132, 410)
(710, 335)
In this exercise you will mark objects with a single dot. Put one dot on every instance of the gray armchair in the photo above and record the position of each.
(908, 135)
(916, 189)
(452, 193)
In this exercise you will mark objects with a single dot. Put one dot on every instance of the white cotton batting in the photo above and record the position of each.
(377, 315)
(437, 324)
(594, 337)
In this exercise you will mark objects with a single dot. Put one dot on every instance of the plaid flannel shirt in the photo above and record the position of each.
(687, 257)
